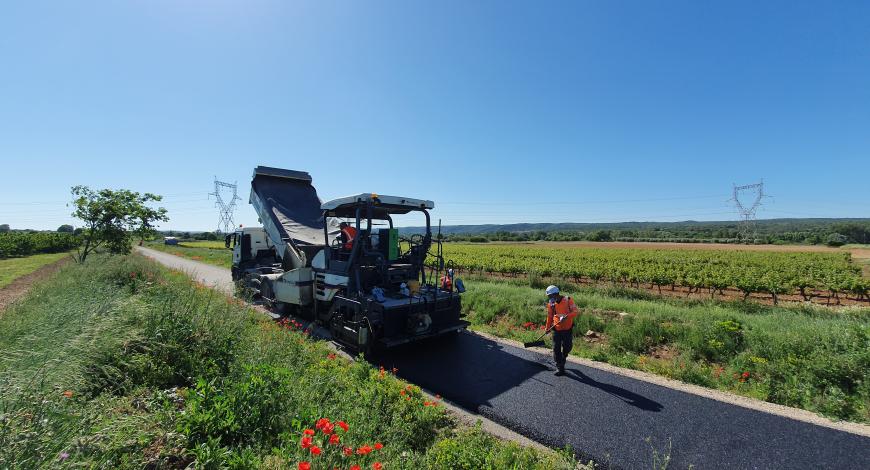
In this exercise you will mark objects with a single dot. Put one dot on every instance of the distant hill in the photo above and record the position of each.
(763, 226)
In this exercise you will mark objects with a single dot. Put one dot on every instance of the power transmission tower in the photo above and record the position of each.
(225, 209)
(747, 210)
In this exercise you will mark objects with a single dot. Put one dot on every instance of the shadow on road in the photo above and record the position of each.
(468, 369)
(626, 396)
(471, 370)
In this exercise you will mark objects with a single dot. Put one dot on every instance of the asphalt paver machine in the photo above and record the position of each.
(370, 292)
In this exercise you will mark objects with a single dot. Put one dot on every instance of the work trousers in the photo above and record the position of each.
(561, 347)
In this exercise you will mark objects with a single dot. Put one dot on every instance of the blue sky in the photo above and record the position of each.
(501, 112)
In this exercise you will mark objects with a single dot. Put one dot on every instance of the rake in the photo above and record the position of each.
(540, 341)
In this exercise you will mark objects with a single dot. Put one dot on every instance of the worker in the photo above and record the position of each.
(560, 312)
(447, 281)
(348, 234)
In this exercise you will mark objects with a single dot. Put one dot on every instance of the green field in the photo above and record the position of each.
(804, 356)
(13, 268)
(210, 252)
(120, 363)
(750, 272)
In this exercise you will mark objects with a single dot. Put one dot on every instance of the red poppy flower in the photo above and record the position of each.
(378, 446)
(304, 466)
(348, 451)
(746, 375)
(68, 393)
(377, 466)
(315, 450)
(402, 393)
(354, 467)
(306, 442)
(309, 432)
(364, 450)
(321, 423)
(343, 425)
(328, 428)
(333, 439)
(330, 356)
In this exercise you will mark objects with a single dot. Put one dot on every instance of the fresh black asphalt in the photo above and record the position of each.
(616, 420)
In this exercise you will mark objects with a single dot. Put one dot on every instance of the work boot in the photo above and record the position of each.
(560, 372)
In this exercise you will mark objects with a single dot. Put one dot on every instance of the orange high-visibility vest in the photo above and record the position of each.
(563, 307)
(349, 235)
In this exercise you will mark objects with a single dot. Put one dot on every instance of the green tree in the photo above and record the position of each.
(4, 228)
(836, 239)
(112, 217)
(855, 232)
(66, 228)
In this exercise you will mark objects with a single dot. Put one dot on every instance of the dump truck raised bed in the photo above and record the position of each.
(364, 282)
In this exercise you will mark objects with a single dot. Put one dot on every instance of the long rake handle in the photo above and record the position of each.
(545, 333)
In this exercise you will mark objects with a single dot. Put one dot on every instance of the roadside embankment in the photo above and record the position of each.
(120, 363)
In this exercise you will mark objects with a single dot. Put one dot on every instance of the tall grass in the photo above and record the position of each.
(214, 253)
(809, 357)
(120, 364)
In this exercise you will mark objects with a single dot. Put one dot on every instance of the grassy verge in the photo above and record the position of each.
(214, 253)
(120, 364)
(808, 357)
(13, 268)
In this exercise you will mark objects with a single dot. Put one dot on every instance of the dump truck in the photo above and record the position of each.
(378, 290)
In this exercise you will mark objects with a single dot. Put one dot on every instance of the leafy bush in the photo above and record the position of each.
(719, 341)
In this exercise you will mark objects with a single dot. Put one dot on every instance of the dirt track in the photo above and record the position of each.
(19, 287)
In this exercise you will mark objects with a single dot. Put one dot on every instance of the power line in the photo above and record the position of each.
(534, 203)
(225, 209)
(747, 208)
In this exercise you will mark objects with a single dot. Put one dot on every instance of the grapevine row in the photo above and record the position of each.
(750, 272)
(30, 243)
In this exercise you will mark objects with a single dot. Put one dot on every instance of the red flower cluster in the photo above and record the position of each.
(325, 426)
(741, 377)
(289, 324)
(328, 428)
(330, 356)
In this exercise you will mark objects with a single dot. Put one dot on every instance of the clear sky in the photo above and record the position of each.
(500, 112)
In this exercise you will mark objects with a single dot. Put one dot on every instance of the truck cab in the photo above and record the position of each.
(251, 248)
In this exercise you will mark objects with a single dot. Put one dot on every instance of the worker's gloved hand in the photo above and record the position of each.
(561, 317)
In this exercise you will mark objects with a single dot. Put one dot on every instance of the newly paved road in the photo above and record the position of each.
(613, 419)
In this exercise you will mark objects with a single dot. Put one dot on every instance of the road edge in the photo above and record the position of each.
(796, 414)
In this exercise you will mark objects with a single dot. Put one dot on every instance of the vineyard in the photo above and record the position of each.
(30, 243)
(811, 275)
